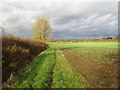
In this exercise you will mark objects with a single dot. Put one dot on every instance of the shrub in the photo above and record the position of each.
(17, 52)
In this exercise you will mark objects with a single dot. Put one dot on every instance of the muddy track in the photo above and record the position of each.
(97, 75)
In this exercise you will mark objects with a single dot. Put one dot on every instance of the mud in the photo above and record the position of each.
(98, 75)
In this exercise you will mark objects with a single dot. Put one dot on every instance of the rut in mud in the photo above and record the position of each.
(52, 72)
(98, 75)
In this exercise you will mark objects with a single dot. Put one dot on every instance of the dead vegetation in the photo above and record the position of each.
(17, 52)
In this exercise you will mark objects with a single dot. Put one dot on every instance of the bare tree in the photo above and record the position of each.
(41, 29)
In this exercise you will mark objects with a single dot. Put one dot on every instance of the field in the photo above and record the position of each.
(71, 65)
(98, 62)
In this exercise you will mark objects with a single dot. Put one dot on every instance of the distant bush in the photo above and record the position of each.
(17, 52)
(88, 40)
(107, 38)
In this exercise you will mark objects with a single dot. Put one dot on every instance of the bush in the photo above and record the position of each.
(17, 52)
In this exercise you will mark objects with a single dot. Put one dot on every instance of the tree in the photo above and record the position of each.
(41, 29)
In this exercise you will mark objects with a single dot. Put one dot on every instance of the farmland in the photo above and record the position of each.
(71, 65)
(59, 44)
(97, 61)
(49, 70)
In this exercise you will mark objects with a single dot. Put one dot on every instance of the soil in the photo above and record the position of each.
(98, 75)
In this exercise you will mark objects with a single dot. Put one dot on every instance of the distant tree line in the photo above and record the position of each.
(107, 38)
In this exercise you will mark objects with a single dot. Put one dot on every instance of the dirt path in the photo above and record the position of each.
(98, 75)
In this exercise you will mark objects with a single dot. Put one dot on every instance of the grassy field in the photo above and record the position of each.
(49, 70)
(71, 65)
(98, 61)
(92, 49)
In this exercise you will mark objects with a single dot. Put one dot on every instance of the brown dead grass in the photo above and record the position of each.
(17, 52)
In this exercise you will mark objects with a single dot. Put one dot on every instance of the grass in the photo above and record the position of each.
(89, 44)
(38, 73)
(44, 76)
(48, 70)
(97, 51)
(64, 76)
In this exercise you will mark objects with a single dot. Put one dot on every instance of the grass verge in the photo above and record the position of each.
(38, 73)
(64, 76)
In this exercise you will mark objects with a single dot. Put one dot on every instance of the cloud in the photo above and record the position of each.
(59, 0)
(69, 20)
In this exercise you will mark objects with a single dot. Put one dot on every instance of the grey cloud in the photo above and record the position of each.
(69, 19)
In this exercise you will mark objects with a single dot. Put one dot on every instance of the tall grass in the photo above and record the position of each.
(17, 52)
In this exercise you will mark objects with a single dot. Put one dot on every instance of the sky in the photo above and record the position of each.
(69, 19)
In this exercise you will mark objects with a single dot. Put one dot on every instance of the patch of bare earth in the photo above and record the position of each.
(98, 75)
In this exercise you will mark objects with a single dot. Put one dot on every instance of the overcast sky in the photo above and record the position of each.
(70, 19)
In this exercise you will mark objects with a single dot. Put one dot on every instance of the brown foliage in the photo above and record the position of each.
(86, 40)
(17, 52)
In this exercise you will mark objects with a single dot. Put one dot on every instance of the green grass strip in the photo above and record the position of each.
(38, 73)
(64, 76)
(44, 76)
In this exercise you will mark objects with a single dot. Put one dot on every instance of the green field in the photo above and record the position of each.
(51, 68)
(92, 49)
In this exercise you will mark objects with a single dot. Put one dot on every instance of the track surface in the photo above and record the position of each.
(98, 75)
